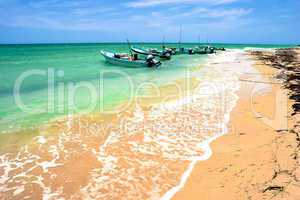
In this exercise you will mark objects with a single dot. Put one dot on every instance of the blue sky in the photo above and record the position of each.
(230, 21)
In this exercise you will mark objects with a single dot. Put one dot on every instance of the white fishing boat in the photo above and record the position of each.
(127, 60)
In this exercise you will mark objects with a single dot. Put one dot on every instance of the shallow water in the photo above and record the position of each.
(138, 154)
(144, 152)
(79, 65)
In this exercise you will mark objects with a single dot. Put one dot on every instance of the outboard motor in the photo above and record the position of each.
(151, 61)
(171, 51)
(166, 55)
(149, 58)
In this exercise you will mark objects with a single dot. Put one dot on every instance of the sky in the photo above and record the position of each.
(225, 21)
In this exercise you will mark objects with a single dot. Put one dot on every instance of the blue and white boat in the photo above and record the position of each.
(129, 61)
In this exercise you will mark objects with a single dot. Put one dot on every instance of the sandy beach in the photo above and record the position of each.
(149, 100)
(259, 157)
(239, 99)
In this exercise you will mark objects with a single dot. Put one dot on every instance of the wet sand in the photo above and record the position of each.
(259, 157)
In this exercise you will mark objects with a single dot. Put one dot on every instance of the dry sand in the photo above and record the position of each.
(258, 158)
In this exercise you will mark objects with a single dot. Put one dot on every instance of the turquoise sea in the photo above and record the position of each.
(34, 69)
(145, 152)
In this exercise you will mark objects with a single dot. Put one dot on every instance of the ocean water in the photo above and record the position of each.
(65, 64)
(70, 64)
(141, 153)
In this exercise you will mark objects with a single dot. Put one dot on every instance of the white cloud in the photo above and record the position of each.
(197, 14)
(216, 13)
(83, 16)
(149, 3)
(161, 19)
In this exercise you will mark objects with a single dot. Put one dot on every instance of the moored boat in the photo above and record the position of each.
(220, 49)
(127, 60)
(171, 50)
(164, 54)
(200, 50)
(183, 50)
(204, 50)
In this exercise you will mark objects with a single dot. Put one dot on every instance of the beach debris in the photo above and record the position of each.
(287, 61)
(274, 188)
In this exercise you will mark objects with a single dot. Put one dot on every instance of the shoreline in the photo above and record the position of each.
(146, 146)
(242, 165)
(205, 145)
(127, 144)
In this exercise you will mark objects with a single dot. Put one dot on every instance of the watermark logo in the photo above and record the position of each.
(67, 97)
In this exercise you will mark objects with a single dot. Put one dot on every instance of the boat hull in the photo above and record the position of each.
(144, 53)
(123, 62)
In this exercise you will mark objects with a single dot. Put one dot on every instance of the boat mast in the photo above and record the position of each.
(129, 46)
(163, 42)
(180, 36)
(207, 39)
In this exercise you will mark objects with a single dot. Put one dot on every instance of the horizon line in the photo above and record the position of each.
(135, 42)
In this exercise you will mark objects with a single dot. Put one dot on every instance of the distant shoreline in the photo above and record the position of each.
(136, 42)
